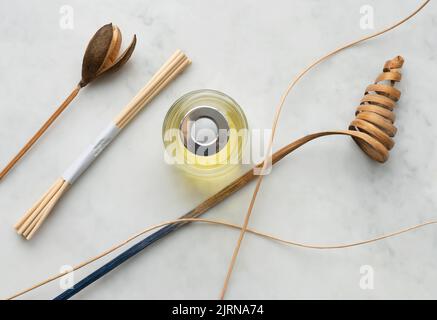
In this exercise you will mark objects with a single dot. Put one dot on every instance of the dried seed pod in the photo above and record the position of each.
(102, 52)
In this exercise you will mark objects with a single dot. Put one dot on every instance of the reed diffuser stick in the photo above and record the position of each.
(372, 130)
(100, 58)
(36, 215)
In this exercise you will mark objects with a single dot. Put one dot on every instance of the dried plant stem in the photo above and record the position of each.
(40, 132)
(226, 224)
(274, 126)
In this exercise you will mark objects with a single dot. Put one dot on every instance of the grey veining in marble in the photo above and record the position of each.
(327, 192)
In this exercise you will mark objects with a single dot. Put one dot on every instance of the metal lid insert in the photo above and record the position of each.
(204, 130)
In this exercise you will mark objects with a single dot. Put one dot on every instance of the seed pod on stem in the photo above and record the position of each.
(101, 57)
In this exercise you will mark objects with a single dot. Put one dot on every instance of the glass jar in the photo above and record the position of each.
(204, 133)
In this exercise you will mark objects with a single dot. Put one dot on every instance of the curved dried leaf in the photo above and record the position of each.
(95, 53)
(113, 50)
(121, 61)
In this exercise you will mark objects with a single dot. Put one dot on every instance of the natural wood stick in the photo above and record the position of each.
(149, 86)
(167, 73)
(40, 211)
(40, 132)
(178, 69)
(22, 224)
(36, 210)
(31, 231)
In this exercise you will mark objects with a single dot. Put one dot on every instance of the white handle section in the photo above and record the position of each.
(90, 153)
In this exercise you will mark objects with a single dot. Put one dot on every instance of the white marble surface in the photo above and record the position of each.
(325, 193)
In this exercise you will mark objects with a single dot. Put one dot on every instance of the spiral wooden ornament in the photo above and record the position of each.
(375, 116)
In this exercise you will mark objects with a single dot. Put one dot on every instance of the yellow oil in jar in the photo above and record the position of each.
(227, 134)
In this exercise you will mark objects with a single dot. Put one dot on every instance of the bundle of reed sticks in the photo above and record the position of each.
(35, 216)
